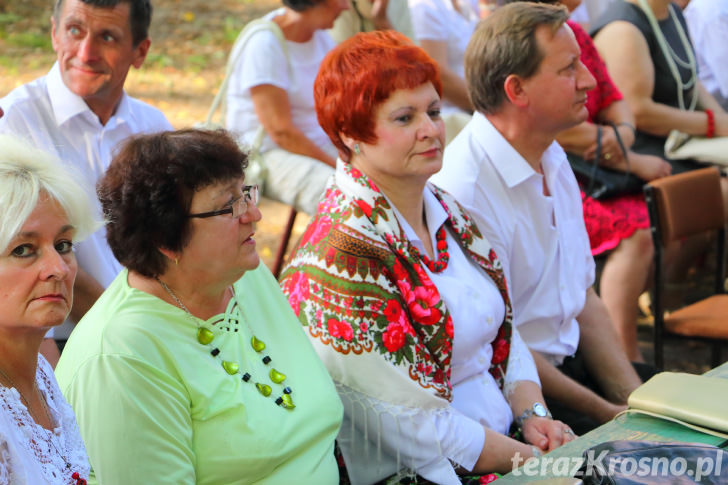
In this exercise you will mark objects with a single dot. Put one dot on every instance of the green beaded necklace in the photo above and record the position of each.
(205, 336)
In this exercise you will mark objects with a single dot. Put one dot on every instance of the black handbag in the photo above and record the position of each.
(602, 183)
(641, 462)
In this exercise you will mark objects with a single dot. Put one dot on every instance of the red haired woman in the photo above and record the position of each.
(386, 280)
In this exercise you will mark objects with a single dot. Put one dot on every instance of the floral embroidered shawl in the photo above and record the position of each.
(373, 314)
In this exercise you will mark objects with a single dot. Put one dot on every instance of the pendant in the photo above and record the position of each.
(258, 345)
(287, 401)
(205, 335)
(231, 368)
(264, 389)
(276, 376)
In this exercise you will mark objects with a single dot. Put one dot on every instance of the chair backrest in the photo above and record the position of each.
(686, 204)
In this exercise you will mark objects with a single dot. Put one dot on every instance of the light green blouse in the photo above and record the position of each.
(154, 406)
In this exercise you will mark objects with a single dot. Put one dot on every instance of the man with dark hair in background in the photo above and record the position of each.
(527, 84)
(80, 112)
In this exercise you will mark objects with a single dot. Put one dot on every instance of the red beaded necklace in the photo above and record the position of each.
(442, 255)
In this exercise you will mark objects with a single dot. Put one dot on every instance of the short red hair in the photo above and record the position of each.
(360, 74)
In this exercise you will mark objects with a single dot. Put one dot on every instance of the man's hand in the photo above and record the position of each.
(606, 411)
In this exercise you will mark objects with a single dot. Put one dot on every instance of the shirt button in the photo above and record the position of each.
(481, 360)
(490, 319)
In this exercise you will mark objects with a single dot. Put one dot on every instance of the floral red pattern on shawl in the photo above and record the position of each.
(357, 286)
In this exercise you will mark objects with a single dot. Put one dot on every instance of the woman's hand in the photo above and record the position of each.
(273, 109)
(546, 434)
(611, 154)
(721, 123)
(648, 167)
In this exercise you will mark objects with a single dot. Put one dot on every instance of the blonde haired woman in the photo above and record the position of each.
(42, 213)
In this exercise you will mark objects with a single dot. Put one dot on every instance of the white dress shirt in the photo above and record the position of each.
(541, 240)
(708, 24)
(53, 118)
(425, 440)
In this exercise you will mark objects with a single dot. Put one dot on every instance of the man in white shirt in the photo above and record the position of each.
(80, 112)
(528, 84)
(708, 24)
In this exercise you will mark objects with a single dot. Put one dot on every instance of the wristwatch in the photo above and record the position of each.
(537, 409)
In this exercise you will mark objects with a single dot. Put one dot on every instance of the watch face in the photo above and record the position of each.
(539, 410)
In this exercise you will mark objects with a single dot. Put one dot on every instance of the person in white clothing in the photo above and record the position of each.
(272, 85)
(528, 84)
(80, 112)
(708, 25)
(370, 15)
(443, 29)
(403, 299)
(43, 213)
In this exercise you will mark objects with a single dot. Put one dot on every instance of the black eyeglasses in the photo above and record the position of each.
(238, 206)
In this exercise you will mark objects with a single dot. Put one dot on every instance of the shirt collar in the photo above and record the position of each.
(66, 104)
(512, 167)
(435, 216)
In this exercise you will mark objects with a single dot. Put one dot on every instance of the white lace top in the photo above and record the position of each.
(29, 453)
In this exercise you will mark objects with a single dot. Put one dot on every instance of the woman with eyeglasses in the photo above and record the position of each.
(191, 367)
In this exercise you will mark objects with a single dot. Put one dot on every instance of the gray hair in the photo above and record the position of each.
(26, 173)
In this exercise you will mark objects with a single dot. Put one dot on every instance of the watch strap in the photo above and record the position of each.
(529, 412)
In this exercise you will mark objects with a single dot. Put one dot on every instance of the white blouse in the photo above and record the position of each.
(427, 441)
(31, 454)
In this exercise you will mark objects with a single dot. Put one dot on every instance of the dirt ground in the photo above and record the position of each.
(190, 43)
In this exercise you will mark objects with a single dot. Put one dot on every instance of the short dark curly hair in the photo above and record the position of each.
(147, 191)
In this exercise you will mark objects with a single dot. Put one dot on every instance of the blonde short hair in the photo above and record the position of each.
(26, 172)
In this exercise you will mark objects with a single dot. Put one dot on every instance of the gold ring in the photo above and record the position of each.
(607, 156)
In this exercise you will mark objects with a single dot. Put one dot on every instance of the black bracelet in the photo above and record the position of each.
(630, 126)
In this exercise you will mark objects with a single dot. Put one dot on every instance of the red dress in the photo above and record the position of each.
(611, 220)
